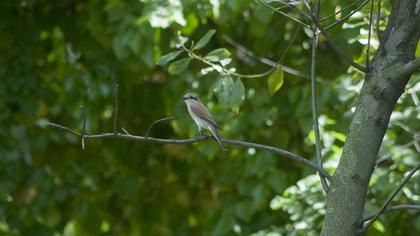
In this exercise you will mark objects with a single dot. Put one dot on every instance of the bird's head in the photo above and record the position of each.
(188, 97)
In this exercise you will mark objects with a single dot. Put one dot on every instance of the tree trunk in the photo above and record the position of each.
(384, 83)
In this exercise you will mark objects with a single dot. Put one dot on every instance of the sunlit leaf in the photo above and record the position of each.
(218, 55)
(179, 66)
(379, 226)
(230, 92)
(163, 60)
(275, 81)
(237, 95)
(204, 40)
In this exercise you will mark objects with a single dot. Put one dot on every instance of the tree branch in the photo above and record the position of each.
(314, 98)
(410, 67)
(264, 60)
(347, 16)
(284, 14)
(154, 123)
(370, 31)
(394, 208)
(116, 108)
(378, 18)
(337, 48)
(330, 42)
(389, 199)
(339, 11)
(128, 136)
(82, 134)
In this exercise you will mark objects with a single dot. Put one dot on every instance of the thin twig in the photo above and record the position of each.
(264, 60)
(223, 69)
(155, 122)
(82, 133)
(330, 42)
(125, 131)
(63, 128)
(347, 16)
(284, 14)
(378, 17)
(292, 40)
(275, 150)
(370, 30)
(388, 156)
(337, 48)
(116, 108)
(314, 98)
(394, 208)
(339, 11)
(389, 199)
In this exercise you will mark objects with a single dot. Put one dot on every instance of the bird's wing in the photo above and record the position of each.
(203, 113)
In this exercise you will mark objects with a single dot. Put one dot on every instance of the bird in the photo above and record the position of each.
(202, 117)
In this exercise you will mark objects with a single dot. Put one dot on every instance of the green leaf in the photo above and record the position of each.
(275, 81)
(222, 89)
(418, 49)
(230, 92)
(260, 193)
(245, 209)
(204, 40)
(237, 95)
(217, 55)
(179, 66)
(225, 224)
(163, 60)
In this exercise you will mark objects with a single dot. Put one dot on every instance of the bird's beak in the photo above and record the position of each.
(184, 98)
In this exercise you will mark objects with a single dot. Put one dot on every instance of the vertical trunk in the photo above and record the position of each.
(383, 85)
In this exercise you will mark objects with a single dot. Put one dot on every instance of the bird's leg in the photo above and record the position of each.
(199, 131)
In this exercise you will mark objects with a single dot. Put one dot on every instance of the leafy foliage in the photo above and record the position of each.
(58, 55)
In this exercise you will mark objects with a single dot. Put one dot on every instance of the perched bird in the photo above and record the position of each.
(201, 116)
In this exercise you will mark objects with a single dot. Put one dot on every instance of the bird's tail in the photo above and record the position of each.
(213, 130)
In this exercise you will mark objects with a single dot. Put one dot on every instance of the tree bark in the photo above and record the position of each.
(384, 83)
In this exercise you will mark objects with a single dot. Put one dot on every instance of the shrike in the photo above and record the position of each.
(201, 116)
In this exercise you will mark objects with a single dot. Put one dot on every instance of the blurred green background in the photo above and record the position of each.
(58, 55)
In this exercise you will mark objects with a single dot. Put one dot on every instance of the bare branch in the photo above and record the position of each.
(82, 133)
(264, 60)
(370, 30)
(284, 14)
(124, 130)
(116, 108)
(339, 11)
(63, 128)
(125, 135)
(391, 21)
(314, 99)
(330, 42)
(384, 158)
(410, 67)
(337, 48)
(347, 16)
(223, 69)
(394, 208)
(378, 17)
(389, 199)
(154, 123)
